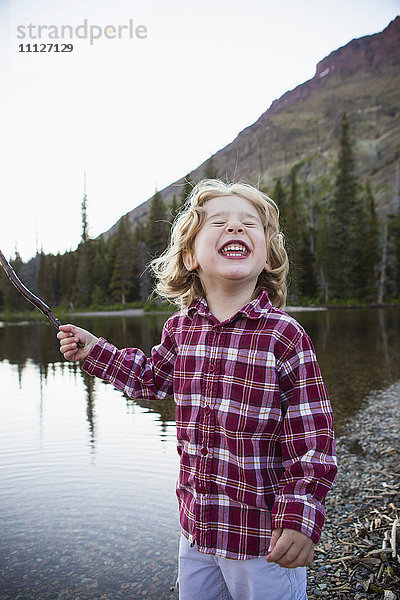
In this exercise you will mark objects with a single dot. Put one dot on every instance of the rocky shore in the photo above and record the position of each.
(358, 556)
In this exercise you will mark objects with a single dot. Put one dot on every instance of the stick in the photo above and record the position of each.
(27, 293)
(393, 538)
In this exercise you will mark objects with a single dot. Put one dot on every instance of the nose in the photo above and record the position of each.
(235, 227)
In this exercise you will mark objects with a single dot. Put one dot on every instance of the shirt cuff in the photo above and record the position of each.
(98, 361)
(301, 514)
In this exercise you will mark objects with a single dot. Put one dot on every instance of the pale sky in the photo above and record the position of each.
(137, 113)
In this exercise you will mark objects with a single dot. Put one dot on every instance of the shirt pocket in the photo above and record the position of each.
(248, 392)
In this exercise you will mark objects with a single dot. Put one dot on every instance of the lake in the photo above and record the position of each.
(87, 476)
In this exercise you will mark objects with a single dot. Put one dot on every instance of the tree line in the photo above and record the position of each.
(340, 250)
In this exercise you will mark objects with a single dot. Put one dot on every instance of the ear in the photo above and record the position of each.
(267, 268)
(189, 260)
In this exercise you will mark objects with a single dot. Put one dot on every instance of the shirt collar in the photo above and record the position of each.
(255, 309)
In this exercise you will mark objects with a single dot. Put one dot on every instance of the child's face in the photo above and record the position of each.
(230, 245)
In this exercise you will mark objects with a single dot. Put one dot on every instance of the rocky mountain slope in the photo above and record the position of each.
(301, 128)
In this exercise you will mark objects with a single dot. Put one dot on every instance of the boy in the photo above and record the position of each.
(254, 422)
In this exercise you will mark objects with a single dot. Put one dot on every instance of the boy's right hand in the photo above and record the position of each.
(70, 336)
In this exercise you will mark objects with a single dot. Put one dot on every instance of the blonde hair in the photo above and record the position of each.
(175, 283)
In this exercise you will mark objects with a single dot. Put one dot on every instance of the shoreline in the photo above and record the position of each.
(139, 312)
(9, 317)
(351, 561)
(128, 312)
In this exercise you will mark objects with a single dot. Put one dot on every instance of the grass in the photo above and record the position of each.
(10, 316)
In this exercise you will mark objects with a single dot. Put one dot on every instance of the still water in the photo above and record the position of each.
(87, 476)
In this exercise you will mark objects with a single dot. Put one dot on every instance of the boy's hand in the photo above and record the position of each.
(70, 336)
(290, 548)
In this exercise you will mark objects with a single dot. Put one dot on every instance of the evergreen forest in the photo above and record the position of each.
(341, 251)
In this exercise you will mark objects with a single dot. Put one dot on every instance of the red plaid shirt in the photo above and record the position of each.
(254, 422)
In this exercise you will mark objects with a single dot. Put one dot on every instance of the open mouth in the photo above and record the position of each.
(234, 250)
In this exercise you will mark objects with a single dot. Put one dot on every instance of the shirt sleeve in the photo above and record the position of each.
(307, 443)
(131, 371)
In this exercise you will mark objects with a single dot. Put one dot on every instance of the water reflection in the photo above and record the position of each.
(87, 503)
(90, 405)
(358, 351)
(36, 342)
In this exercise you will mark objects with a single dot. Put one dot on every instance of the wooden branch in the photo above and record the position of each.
(27, 293)
(393, 537)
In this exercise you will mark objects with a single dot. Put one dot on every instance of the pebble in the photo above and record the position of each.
(369, 465)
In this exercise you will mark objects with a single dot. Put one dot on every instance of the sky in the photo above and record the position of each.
(150, 90)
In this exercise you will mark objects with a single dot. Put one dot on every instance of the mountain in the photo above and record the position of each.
(302, 127)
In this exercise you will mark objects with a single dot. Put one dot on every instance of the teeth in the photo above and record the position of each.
(234, 248)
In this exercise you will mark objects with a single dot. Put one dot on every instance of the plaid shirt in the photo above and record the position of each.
(254, 422)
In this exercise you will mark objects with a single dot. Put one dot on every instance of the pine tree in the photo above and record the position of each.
(83, 287)
(44, 278)
(101, 274)
(187, 188)
(121, 280)
(85, 226)
(12, 299)
(307, 279)
(67, 277)
(157, 227)
(174, 208)
(345, 211)
(85, 256)
(293, 233)
(368, 247)
(137, 268)
(56, 268)
(389, 278)
(393, 284)
(279, 196)
(323, 257)
(142, 277)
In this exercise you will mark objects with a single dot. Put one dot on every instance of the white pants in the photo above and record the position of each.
(208, 577)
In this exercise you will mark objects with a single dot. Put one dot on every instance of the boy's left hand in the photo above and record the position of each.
(290, 548)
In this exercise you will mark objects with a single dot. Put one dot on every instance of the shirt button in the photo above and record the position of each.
(204, 451)
(207, 410)
(212, 367)
(202, 489)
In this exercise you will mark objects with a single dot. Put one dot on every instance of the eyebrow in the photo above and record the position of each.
(223, 214)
